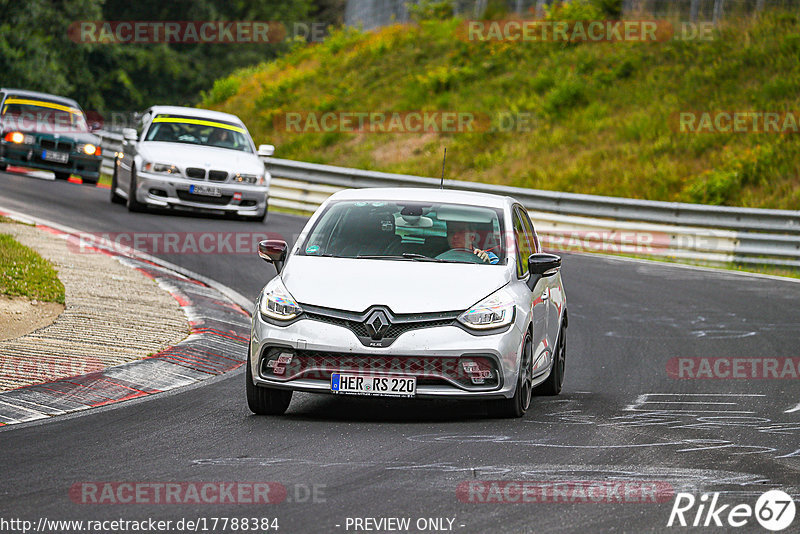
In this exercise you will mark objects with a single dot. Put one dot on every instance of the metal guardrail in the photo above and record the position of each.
(568, 221)
(111, 143)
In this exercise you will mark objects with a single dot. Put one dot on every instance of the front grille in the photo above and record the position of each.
(217, 176)
(50, 144)
(196, 173)
(202, 199)
(400, 324)
(394, 331)
(429, 370)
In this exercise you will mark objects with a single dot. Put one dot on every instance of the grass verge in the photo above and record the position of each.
(25, 273)
(603, 115)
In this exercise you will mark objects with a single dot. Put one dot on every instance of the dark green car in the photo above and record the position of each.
(47, 132)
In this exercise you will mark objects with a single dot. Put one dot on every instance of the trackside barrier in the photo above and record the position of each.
(568, 221)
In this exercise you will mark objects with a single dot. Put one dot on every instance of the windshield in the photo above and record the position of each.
(197, 131)
(28, 114)
(408, 231)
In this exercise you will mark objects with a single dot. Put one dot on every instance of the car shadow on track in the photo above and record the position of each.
(309, 407)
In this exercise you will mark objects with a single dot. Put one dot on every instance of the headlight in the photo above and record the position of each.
(247, 179)
(20, 138)
(90, 149)
(494, 311)
(277, 303)
(161, 168)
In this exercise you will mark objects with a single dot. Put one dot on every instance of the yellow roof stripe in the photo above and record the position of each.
(43, 104)
(200, 122)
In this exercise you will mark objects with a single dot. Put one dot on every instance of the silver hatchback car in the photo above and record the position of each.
(410, 293)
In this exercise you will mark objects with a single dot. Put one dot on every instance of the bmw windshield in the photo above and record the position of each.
(198, 131)
(408, 231)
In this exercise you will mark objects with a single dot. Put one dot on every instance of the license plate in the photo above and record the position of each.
(384, 386)
(205, 190)
(58, 157)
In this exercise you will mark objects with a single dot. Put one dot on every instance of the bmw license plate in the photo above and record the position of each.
(205, 190)
(58, 157)
(383, 386)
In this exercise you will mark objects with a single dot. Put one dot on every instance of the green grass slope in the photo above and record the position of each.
(604, 112)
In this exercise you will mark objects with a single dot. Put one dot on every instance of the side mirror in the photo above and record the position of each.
(266, 150)
(541, 265)
(273, 251)
(129, 134)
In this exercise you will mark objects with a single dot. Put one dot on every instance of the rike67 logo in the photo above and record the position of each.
(774, 510)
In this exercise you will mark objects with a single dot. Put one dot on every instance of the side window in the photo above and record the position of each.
(532, 237)
(523, 246)
(140, 124)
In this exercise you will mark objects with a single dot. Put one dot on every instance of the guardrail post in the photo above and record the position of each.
(718, 11)
(693, 9)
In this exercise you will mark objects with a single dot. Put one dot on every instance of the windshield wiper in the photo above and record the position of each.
(404, 256)
(407, 256)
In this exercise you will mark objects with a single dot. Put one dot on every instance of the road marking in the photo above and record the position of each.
(795, 409)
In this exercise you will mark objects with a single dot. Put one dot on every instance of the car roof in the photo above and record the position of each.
(196, 112)
(37, 94)
(423, 194)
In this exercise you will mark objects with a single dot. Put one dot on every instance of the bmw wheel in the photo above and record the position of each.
(133, 204)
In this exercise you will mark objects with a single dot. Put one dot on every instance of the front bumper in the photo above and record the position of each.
(173, 192)
(434, 355)
(31, 156)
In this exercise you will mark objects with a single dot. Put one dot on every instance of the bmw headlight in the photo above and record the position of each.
(494, 311)
(89, 149)
(277, 303)
(161, 168)
(247, 179)
(20, 138)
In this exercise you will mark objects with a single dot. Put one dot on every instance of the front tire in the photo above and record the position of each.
(89, 181)
(552, 386)
(3, 166)
(115, 198)
(62, 175)
(133, 204)
(266, 401)
(517, 405)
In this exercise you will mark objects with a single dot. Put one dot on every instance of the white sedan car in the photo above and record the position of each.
(410, 293)
(192, 158)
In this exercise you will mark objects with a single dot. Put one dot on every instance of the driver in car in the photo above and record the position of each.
(463, 236)
(221, 138)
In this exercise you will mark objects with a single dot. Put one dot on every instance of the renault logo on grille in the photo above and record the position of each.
(377, 324)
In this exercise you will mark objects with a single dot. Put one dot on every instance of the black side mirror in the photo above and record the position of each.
(273, 251)
(541, 265)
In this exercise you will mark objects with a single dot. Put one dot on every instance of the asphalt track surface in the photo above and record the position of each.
(621, 416)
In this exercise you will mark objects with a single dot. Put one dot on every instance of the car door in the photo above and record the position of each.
(551, 294)
(525, 247)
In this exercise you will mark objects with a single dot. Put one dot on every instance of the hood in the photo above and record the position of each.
(48, 131)
(404, 286)
(185, 155)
